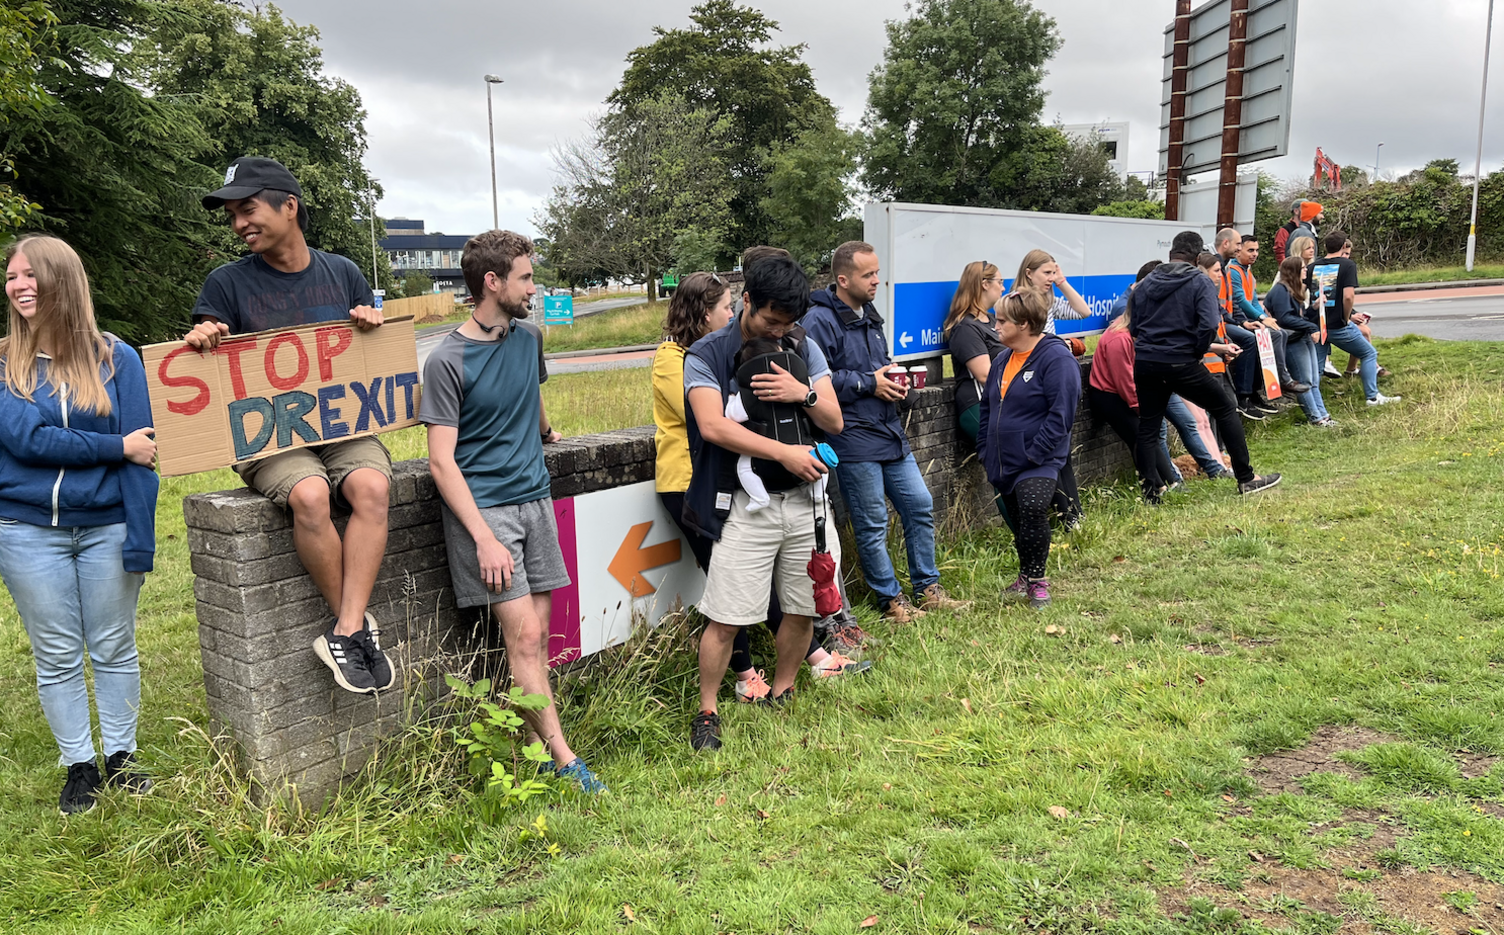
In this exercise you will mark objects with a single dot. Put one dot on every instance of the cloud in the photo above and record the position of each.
(1367, 71)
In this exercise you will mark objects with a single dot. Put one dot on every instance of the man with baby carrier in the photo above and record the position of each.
(787, 400)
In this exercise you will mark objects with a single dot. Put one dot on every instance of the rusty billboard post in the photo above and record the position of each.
(1225, 96)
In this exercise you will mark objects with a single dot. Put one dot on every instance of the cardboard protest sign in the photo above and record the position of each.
(1266, 361)
(259, 394)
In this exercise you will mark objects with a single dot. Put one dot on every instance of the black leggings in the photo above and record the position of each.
(741, 646)
(1029, 505)
(1124, 421)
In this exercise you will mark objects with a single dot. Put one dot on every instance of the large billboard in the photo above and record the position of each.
(1268, 84)
(923, 249)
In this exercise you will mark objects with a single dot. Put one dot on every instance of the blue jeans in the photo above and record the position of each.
(73, 593)
(1305, 366)
(866, 486)
(1185, 424)
(1350, 339)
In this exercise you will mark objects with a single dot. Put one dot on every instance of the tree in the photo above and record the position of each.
(117, 172)
(953, 109)
(259, 87)
(810, 191)
(21, 93)
(416, 283)
(1057, 173)
(630, 191)
(1148, 210)
(725, 65)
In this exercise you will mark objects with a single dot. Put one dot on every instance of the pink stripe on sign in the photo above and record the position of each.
(564, 614)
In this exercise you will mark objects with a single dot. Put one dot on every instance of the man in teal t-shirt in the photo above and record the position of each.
(486, 429)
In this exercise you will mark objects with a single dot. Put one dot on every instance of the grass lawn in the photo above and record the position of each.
(1431, 274)
(1112, 763)
(623, 327)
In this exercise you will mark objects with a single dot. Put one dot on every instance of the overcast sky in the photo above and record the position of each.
(1400, 72)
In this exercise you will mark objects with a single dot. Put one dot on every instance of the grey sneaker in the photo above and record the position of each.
(1039, 593)
(1018, 590)
(1260, 483)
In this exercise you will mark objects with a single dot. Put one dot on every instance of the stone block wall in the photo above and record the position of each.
(259, 612)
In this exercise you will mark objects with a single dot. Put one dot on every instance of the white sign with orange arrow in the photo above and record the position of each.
(632, 564)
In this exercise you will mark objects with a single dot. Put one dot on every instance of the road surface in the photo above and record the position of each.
(1469, 314)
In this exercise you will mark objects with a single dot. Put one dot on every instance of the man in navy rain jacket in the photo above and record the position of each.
(876, 463)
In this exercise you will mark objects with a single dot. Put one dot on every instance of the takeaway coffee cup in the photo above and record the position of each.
(899, 375)
(917, 376)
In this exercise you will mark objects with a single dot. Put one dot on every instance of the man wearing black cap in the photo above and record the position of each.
(1173, 321)
(283, 284)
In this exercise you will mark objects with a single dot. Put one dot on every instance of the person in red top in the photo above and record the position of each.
(1114, 398)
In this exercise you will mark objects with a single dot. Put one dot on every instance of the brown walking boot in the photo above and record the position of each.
(901, 611)
(935, 597)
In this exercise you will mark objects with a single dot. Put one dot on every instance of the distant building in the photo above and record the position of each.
(410, 248)
(1113, 138)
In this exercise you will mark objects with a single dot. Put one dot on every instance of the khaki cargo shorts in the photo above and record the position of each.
(276, 476)
(773, 544)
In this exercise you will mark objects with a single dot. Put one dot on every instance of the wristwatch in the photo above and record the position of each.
(548, 431)
(811, 399)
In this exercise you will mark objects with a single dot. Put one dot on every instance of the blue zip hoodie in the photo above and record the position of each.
(1175, 314)
(1028, 434)
(61, 466)
(855, 347)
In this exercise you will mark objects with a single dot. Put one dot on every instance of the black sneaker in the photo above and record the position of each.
(705, 731)
(787, 698)
(1259, 483)
(1248, 412)
(120, 773)
(346, 658)
(381, 667)
(78, 791)
(1264, 406)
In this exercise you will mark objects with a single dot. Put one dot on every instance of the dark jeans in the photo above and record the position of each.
(741, 646)
(1115, 410)
(1193, 382)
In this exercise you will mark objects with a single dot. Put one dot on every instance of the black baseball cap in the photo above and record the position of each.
(249, 175)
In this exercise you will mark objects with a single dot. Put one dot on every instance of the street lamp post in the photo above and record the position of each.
(1376, 154)
(491, 132)
(375, 276)
(1472, 230)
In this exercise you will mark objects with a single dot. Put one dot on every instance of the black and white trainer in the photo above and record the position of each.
(121, 772)
(346, 658)
(382, 675)
(79, 789)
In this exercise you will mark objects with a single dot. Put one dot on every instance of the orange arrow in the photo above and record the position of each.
(632, 559)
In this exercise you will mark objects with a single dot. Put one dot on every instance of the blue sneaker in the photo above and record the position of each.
(581, 775)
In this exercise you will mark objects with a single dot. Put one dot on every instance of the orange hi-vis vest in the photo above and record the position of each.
(1213, 361)
(1224, 293)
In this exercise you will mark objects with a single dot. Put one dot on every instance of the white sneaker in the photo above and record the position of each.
(1382, 400)
(1331, 371)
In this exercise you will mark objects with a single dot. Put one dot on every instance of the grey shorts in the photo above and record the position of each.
(528, 531)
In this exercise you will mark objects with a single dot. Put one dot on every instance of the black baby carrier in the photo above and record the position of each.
(788, 423)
